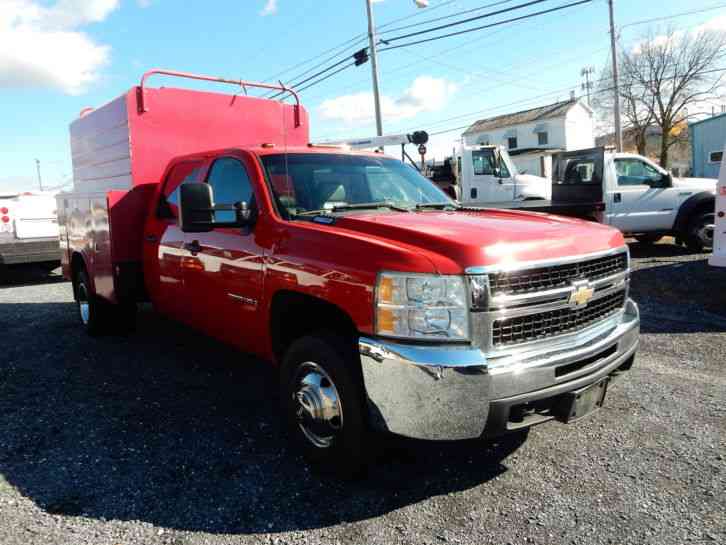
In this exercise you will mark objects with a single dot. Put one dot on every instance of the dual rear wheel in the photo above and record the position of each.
(97, 315)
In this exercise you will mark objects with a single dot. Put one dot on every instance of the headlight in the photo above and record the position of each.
(422, 306)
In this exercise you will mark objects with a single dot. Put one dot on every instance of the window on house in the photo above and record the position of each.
(715, 156)
(542, 138)
(512, 142)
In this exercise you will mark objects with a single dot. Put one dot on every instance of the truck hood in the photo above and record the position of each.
(454, 241)
(531, 186)
(699, 184)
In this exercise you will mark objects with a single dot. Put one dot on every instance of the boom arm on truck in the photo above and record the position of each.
(378, 142)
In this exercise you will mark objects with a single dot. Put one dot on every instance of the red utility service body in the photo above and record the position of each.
(238, 284)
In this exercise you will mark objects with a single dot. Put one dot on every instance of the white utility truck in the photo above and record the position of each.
(640, 198)
(718, 259)
(28, 228)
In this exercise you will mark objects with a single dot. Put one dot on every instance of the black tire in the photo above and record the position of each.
(99, 317)
(699, 235)
(338, 445)
(648, 239)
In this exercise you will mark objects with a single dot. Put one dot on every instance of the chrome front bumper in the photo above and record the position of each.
(456, 392)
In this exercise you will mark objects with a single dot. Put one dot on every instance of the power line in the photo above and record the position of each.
(675, 15)
(349, 44)
(420, 23)
(464, 21)
(514, 19)
(326, 77)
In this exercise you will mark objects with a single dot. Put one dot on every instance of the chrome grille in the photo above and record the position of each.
(556, 276)
(531, 327)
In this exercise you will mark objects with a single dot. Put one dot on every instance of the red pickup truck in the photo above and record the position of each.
(384, 304)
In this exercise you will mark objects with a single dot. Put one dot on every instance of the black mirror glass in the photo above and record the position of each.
(196, 208)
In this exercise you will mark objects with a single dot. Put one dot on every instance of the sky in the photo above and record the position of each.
(59, 56)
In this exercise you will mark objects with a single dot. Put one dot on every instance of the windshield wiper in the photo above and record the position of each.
(355, 206)
(370, 206)
(437, 206)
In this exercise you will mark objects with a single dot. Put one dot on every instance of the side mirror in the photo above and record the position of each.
(196, 208)
(665, 181)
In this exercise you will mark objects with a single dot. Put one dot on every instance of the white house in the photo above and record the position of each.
(532, 136)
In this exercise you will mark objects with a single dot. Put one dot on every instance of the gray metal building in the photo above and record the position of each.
(708, 138)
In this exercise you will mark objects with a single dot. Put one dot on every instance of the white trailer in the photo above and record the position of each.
(28, 228)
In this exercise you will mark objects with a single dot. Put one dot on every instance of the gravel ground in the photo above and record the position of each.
(175, 441)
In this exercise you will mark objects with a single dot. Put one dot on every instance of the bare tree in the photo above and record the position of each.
(665, 80)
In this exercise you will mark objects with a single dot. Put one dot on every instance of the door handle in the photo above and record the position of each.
(500, 181)
(617, 197)
(193, 247)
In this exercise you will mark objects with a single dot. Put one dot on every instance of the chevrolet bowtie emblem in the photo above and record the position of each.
(581, 294)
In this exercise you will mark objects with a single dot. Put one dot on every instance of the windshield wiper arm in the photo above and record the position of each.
(437, 206)
(370, 206)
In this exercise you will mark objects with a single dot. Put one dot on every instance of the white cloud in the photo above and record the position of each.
(42, 47)
(270, 8)
(426, 94)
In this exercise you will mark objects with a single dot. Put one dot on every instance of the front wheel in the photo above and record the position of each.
(700, 232)
(322, 404)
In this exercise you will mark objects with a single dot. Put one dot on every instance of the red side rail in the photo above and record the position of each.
(241, 83)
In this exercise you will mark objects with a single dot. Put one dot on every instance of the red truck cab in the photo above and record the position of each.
(385, 305)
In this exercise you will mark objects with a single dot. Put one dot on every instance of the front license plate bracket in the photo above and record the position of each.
(583, 402)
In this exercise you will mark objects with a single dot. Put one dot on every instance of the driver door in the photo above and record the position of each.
(223, 271)
(639, 202)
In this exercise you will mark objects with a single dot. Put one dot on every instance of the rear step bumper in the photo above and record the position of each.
(449, 392)
(29, 251)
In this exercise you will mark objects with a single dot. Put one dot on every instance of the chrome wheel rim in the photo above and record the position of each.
(84, 308)
(317, 406)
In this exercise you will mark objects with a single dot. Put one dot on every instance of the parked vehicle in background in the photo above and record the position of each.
(718, 259)
(385, 305)
(641, 198)
(487, 175)
(28, 228)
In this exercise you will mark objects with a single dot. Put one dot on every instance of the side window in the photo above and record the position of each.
(188, 171)
(512, 142)
(636, 172)
(483, 162)
(231, 184)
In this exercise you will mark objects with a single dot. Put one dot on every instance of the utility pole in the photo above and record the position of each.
(374, 67)
(588, 85)
(616, 86)
(40, 180)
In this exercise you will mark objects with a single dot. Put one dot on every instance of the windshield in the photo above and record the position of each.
(304, 184)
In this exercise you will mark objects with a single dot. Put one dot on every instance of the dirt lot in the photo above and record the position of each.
(166, 437)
